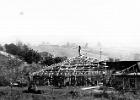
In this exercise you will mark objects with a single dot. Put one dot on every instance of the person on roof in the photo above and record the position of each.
(79, 50)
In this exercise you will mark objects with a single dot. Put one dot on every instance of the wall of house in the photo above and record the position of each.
(129, 83)
(138, 82)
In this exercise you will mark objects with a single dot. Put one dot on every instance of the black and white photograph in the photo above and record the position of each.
(69, 49)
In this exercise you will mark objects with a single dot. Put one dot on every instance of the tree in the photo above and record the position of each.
(32, 56)
(48, 61)
(59, 59)
(11, 48)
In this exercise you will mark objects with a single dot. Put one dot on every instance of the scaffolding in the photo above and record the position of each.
(78, 71)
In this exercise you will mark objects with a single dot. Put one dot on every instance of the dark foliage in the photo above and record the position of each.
(59, 59)
(3, 81)
(23, 52)
(50, 60)
(29, 55)
(11, 48)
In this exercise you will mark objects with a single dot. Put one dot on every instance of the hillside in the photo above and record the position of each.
(3, 60)
(69, 51)
(4, 57)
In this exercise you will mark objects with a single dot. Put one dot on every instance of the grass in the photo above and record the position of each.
(68, 93)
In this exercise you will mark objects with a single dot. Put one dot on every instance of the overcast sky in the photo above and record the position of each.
(111, 22)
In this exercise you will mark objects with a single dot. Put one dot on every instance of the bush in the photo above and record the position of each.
(3, 81)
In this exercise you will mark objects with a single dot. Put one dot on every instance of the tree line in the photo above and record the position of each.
(30, 56)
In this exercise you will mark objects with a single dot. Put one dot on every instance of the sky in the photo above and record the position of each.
(113, 23)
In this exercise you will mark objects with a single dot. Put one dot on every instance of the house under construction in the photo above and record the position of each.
(77, 71)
